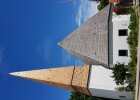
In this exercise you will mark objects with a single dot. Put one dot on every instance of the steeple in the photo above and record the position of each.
(93, 80)
(71, 78)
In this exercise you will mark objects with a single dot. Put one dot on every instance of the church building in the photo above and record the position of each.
(101, 42)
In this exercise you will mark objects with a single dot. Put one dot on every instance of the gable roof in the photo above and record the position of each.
(90, 41)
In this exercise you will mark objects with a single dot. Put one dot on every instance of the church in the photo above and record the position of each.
(100, 43)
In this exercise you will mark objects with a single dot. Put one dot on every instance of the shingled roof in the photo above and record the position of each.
(90, 41)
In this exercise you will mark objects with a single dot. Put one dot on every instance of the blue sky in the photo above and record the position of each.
(29, 33)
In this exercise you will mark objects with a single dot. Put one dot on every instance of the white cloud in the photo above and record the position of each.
(86, 10)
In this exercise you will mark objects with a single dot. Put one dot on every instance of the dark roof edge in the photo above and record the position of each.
(108, 32)
(88, 82)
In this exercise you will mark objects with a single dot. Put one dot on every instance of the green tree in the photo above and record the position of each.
(133, 42)
(119, 73)
(102, 4)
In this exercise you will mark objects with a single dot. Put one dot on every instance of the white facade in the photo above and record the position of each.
(101, 84)
(120, 23)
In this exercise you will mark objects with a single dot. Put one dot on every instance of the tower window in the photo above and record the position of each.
(123, 32)
(123, 52)
(122, 96)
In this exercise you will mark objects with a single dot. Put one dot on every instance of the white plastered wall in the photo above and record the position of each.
(120, 42)
(101, 84)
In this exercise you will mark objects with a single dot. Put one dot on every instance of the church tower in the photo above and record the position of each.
(93, 44)
(71, 78)
(93, 80)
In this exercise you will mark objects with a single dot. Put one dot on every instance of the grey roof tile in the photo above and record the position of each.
(90, 41)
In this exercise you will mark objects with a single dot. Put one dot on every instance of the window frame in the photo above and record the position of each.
(121, 54)
(119, 33)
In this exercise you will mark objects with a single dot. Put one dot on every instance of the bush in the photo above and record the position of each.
(129, 39)
(132, 69)
(133, 21)
(131, 86)
(133, 56)
(133, 16)
(102, 4)
(134, 37)
(127, 11)
(132, 26)
(133, 42)
(80, 96)
(119, 73)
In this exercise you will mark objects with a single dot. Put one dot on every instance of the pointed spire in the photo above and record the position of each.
(71, 78)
